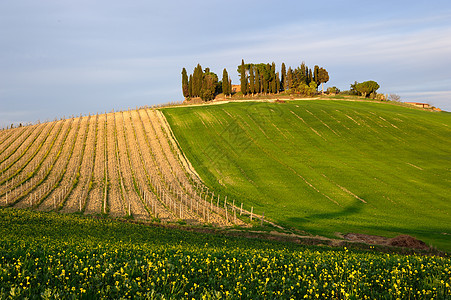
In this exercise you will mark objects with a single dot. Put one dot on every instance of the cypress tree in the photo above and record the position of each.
(273, 85)
(251, 80)
(198, 77)
(257, 82)
(289, 80)
(185, 88)
(190, 86)
(225, 82)
(277, 83)
(230, 87)
(273, 78)
(243, 78)
(283, 77)
(194, 85)
(304, 73)
(316, 75)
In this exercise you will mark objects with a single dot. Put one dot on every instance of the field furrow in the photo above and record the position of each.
(115, 203)
(151, 168)
(35, 186)
(57, 191)
(24, 151)
(71, 175)
(132, 184)
(76, 198)
(8, 139)
(98, 194)
(36, 169)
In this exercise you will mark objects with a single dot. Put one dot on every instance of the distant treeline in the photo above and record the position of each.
(254, 79)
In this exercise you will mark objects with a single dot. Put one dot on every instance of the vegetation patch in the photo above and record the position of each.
(54, 256)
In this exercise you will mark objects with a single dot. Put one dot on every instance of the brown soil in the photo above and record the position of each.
(403, 244)
(408, 242)
(404, 241)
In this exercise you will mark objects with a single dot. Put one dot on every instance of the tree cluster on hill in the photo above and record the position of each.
(264, 79)
(365, 89)
(205, 84)
(259, 78)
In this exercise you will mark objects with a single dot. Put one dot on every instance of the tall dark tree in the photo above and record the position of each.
(277, 83)
(304, 72)
(198, 77)
(225, 82)
(185, 88)
(257, 81)
(264, 85)
(273, 86)
(251, 81)
(243, 78)
(190, 86)
(316, 75)
(273, 78)
(283, 77)
(289, 80)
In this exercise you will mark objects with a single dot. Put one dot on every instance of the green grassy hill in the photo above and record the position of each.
(327, 166)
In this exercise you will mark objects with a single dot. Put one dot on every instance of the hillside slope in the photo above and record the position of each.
(327, 166)
(123, 164)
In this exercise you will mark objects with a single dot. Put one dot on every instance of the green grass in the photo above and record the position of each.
(58, 256)
(327, 166)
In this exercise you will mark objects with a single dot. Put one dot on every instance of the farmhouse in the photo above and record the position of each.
(418, 104)
(236, 88)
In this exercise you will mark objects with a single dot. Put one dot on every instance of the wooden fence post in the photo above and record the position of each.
(129, 208)
(252, 210)
(226, 215)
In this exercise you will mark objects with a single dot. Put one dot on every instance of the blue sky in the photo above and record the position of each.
(60, 58)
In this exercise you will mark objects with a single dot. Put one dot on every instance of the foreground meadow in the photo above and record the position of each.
(54, 256)
(326, 166)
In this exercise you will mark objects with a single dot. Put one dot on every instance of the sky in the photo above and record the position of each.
(61, 58)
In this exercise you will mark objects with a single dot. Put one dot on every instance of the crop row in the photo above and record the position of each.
(125, 164)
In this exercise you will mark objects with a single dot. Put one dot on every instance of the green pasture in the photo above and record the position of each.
(327, 166)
